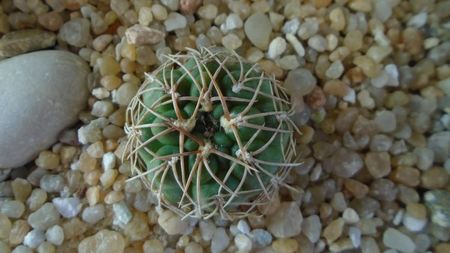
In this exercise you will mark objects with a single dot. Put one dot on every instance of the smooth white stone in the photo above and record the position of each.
(41, 93)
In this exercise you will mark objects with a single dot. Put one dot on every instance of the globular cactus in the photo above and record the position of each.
(210, 134)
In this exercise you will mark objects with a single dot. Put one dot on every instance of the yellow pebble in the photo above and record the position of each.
(285, 245)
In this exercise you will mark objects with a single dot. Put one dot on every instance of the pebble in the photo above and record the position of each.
(312, 227)
(231, 41)
(52, 183)
(291, 26)
(233, 21)
(59, 110)
(350, 216)
(12, 208)
(257, 27)
(302, 88)
(355, 236)
(392, 238)
(22, 249)
(286, 221)
(335, 70)
(34, 238)
(104, 241)
(261, 238)
(220, 241)
(55, 235)
(44, 217)
(438, 202)
(119, 6)
(242, 242)
(344, 163)
(93, 214)
(334, 230)
(193, 247)
(173, 224)
(51, 21)
(67, 207)
(285, 245)
(207, 11)
(243, 227)
(20, 42)
(175, 21)
(276, 48)
(440, 144)
(207, 229)
(21, 189)
(378, 164)
(318, 43)
(18, 231)
(296, 44)
(75, 32)
(309, 28)
(140, 35)
(5, 226)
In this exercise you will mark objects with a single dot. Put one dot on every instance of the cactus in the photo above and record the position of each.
(210, 134)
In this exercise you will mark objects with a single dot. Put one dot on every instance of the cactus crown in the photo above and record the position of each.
(210, 134)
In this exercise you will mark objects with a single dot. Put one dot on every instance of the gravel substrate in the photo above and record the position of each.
(371, 83)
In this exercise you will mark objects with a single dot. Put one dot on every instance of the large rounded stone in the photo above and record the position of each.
(41, 93)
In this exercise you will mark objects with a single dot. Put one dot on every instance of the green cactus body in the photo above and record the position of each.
(210, 133)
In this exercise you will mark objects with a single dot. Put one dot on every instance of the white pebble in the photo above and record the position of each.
(100, 93)
(175, 21)
(55, 235)
(108, 161)
(291, 26)
(276, 48)
(220, 241)
(350, 216)
(67, 207)
(231, 41)
(296, 44)
(335, 70)
(233, 21)
(243, 243)
(418, 20)
(93, 214)
(318, 43)
(207, 229)
(34, 238)
(243, 227)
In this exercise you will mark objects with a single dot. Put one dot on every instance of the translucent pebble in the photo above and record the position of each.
(44, 217)
(291, 26)
(344, 163)
(335, 70)
(383, 10)
(337, 19)
(318, 43)
(207, 229)
(333, 230)
(276, 48)
(55, 235)
(395, 239)
(93, 214)
(46, 247)
(296, 44)
(286, 221)
(231, 41)
(418, 20)
(207, 11)
(233, 21)
(261, 238)
(34, 238)
(380, 142)
(175, 21)
(242, 242)
(125, 93)
(47, 160)
(386, 121)
(308, 28)
(67, 207)
(285, 245)
(104, 241)
(173, 224)
(12, 209)
(312, 227)
(22, 249)
(153, 246)
(193, 247)
(52, 183)
(302, 88)
(355, 236)
(119, 6)
(220, 241)
(76, 32)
